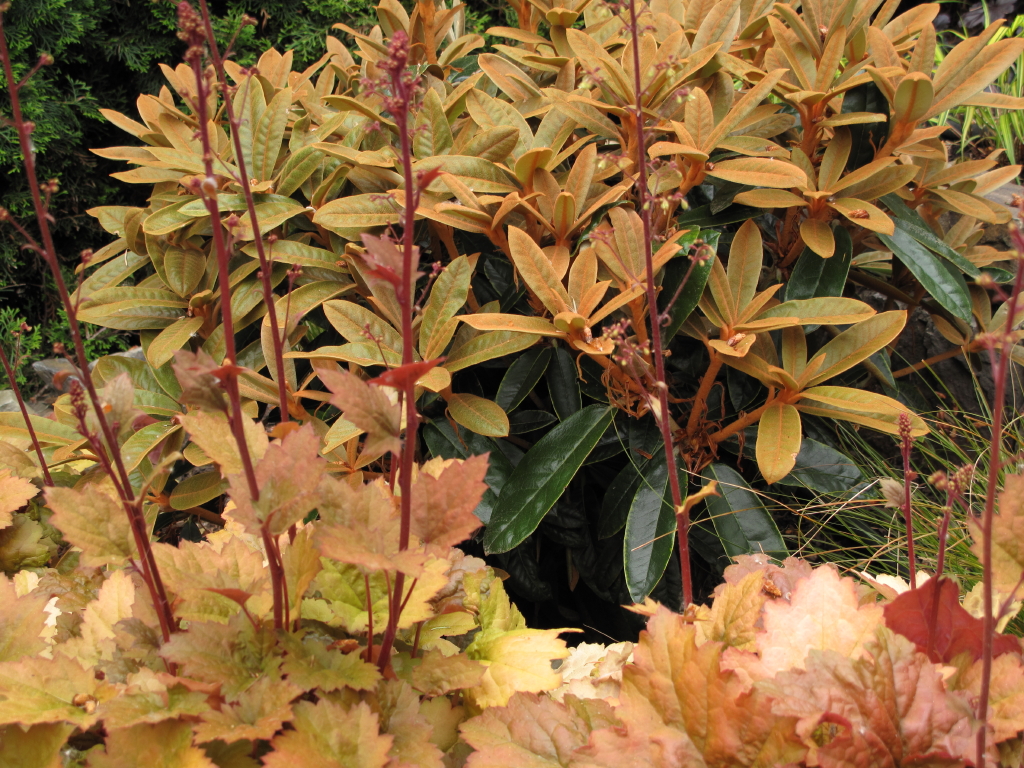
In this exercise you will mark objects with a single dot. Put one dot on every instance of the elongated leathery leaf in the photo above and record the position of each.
(542, 476)
(823, 469)
(910, 221)
(650, 532)
(675, 272)
(815, 277)
(522, 376)
(741, 522)
(563, 385)
(943, 282)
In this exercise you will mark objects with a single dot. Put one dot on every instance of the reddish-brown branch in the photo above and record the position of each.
(266, 266)
(25, 415)
(189, 21)
(999, 353)
(697, 412)
(403, 94)
(657, 347)
(743, 422)
(48, 251)
(905, 447)
(950, 353)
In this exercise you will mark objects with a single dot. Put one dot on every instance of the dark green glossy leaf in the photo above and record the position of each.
(644, 439)
(742, 388)
(879, 367)
(943, 282)
(1000, 276)
(197, 489)
(612, 442)
(704, 543)
(521, 422)
(910, 221)
(836, 269)
(618, 498)
(650, 531)
(675, 272)
(739, 518)
(803, 280)
(815, 277)
(590, 384)
(563, 384)
(521, 377)
(704, 218)
(823, 469)
(542, 476)
(442, 441)
(725, 193)
(866, 136)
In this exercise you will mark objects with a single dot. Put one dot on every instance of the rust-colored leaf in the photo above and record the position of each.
(953, 630)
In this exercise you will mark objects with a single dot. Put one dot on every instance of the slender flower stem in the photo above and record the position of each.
(47, 250)
(25, 415)
(403, 93)
(1000, 370)
(193, 31)
(266, 267)
(657, 347)
(908, 477)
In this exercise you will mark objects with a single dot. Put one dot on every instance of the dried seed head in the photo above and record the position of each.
(892, 492)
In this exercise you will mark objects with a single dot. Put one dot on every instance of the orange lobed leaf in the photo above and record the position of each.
(288, 477)
(327, 735)
(1007, 536)
(534, 731)
(15, 493)
(258, 713)
(369, 408)
(889, 708)
(732, 726)
(163, 745)
(21, 622)
(954, 631)
(824, 615)
(437, 674)
(442, 506)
